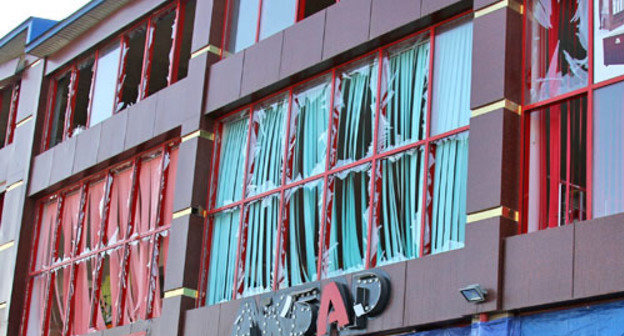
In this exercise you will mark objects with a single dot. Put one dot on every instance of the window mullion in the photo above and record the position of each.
(147, 59)
(241, 234)
(125, 264)
(259, 22)
(177, 41)
(71, 101)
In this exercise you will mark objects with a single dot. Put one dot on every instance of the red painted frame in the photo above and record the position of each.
(121, 38)
(152, 233)
(588, 91)
(330, 168)
(299, 15)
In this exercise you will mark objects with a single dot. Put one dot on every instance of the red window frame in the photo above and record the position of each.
(299, 15)
(330, 168)
(11, 118)
(178, 27)
(161, 228)
(585, 92)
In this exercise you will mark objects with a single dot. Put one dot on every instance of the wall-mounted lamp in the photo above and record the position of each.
(474, 293)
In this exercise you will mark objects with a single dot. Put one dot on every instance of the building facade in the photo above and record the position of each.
(299, 168)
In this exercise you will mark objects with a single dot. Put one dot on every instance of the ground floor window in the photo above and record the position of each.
(100, 248)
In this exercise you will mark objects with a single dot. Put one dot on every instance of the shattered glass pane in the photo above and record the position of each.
(557, 42)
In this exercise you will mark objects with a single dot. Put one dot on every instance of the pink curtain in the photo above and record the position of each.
(46, 234)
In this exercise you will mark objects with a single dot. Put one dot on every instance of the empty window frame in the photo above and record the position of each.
(249, 21)
(298, 206)
(149, 57)
(9, 98)
(100, 248)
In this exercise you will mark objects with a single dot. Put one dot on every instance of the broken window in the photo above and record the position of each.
(9, 96)
(133, 52)
(150, 57)
(82, 96)
(557, 42)
(59, 108)
(319, 198)
(309, 122)
(355, 99)
(160, 44)
(85, 238)
(556, 168)
(250, 21)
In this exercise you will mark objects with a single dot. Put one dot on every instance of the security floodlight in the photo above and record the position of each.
(474, 293)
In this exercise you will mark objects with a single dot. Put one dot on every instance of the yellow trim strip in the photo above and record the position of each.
(209, 48)
(3, 305)
(492, 213)
(189, 211)
(192, 293)
(499, 5)
(14, 185)
(7, 245)
(23, 121)
(198, 134)
(505, 103)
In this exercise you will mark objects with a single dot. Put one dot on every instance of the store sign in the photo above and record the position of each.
(311, 311)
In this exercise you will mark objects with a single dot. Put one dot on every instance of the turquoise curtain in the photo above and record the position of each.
(406, 73)
(305, 211)
(262, 219)
(448, 217)
(310, 115)
(267, 146)
(222, 257)
(349, 221)
(356, 98)
(400, 216)
(451, 78)
(232, 161)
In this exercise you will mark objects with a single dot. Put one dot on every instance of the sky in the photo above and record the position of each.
(15, 12)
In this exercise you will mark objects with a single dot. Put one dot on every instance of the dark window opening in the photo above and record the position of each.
(5, 108)
(161, 52)
(313, 6)
(133, 59)
(60, 106)
(1, 208)
(83, 97)
(187, 39)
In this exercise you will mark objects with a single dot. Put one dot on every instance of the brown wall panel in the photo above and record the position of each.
(493, 173)
(224, 84)
(496, 57)
(141, 120)
(303, 45)
(388, 15)
(428, 7)
(185, 251)
(113, 135)
(347, 26)
(208, 27)
(392, 317)
(87, 145)
(19, 159)
(538, 268)
(262, 64)
(203, 321)
(63, 160)
(192, 174)
(599, 257)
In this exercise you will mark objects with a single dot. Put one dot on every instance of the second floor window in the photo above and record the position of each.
(249, 21)
(363, 166)
(9, 98)
(149, 57)
(100, 249)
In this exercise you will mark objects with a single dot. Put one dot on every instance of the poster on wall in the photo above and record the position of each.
(608, 39)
